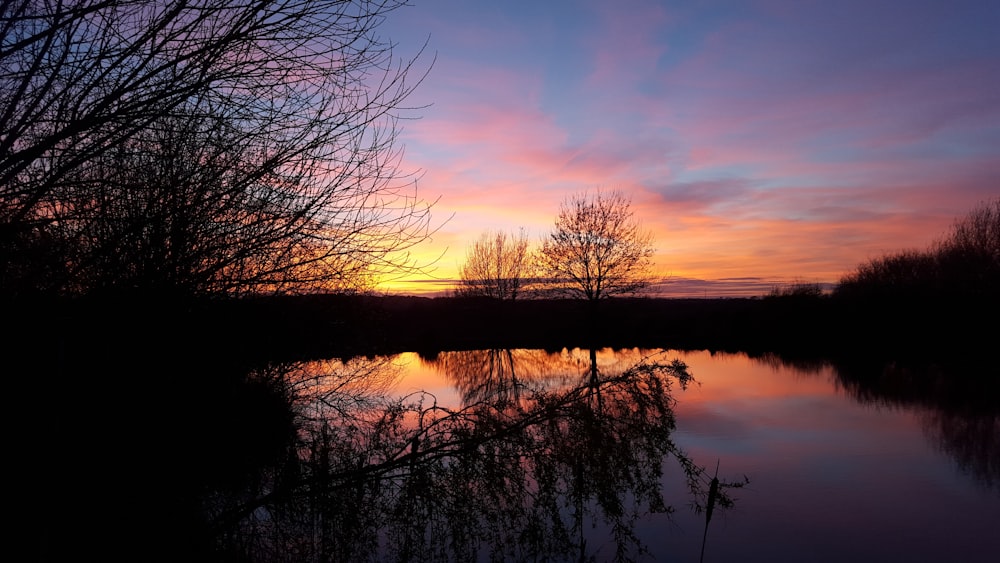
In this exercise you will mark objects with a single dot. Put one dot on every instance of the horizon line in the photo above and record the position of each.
(741, 286)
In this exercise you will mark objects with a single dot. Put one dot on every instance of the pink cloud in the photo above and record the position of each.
(795, 141)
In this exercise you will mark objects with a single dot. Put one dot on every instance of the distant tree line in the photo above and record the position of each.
(966, 263)
(904, 302)
(598, 250)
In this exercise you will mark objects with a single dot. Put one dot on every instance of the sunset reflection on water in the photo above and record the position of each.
(720, 377)
(823, 466)
(839, 468)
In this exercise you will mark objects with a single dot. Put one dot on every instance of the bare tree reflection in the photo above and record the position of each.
(411, 479)
(502, 376)
(505, 376)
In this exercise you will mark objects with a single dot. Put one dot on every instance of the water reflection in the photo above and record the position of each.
(972, 441)
(546, 458)
(958, 406)
(506, 375)
(557, 456)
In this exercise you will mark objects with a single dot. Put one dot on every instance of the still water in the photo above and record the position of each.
(836, 464)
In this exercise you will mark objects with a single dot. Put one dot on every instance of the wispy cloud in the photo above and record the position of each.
(772, 138)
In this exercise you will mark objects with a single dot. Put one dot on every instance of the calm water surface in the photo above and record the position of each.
(837, 471)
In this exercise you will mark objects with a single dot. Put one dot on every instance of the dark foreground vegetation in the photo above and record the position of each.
(164, 426)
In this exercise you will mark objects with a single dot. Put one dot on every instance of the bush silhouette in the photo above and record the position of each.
(965, 263)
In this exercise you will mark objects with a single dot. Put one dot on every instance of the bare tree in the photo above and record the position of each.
(597, 249)
(496, 266)
(207, 145)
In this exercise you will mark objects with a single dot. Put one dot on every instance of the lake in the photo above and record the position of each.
(840, 466)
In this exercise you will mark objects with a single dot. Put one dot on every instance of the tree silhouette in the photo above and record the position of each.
(204, 146)
(597, 248)
(970, 255)
(496, 266)
(978, 231)
(966, 262)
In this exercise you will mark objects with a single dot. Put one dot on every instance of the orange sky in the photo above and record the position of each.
(769, 142)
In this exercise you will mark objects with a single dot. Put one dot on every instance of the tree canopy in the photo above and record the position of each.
(597, 248)
(202, 147)
(496, 266)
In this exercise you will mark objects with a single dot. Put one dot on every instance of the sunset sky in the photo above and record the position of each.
(761, 142)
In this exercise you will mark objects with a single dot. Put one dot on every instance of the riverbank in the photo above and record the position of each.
(276, 328)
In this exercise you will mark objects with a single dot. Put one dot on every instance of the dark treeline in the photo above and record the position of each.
(318, 326)
(940, 301)
(800, 324)
(964, 263)
(929, 304)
